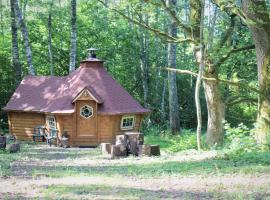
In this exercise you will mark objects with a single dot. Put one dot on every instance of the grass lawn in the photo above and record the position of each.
(39, 171)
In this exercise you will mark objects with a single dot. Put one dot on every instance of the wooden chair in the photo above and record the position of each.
(39, 133)
(51, 136)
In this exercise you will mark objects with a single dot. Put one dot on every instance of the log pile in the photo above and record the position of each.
(130, 143)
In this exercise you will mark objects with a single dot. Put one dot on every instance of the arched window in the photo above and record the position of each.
(86, 111)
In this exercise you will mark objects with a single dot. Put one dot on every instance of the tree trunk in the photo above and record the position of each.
(259, 25)
(25, 37)
(213, 97)
(73, 41)
(162, 103)
(199, 80)
(173, 95)
(216, 111)
(15, 49)
(1, 16)
(144, 62)
(50, 39)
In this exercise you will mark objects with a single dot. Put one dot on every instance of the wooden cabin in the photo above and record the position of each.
(88, 104)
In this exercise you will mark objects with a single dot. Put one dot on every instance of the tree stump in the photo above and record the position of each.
(64, 142)
(145, 149)
(155, 150)
(105, 148)
(13, 148)
(134, 139)
(10, 139)
(3, 142)
(121, 139)
(118, 151)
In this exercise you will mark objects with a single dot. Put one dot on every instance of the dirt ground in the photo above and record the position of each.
(27, 182)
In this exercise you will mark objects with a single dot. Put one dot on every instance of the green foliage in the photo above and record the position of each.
(172, 143)
(240, 139)
(5, 162)
(252, 158)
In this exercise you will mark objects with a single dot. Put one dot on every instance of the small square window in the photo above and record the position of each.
(127, 122)
(51, 122)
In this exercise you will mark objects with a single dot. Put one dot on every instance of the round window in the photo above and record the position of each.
(86, 111)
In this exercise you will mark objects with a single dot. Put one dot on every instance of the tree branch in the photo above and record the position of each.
(240, 100)
(226, 56)
(179, 23)
(161, 34)
(238, 84)
(227, 34)
(229, 7)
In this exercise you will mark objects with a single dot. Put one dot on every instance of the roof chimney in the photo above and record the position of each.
(92, 59)
(92, 53)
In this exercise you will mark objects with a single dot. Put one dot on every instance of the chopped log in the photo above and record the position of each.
(118, 151)
(64, 142)
(121, 139)
(155, 150)
(145, 149)
(3, 142)
(13, 148)
(134, 139)
(105, 148)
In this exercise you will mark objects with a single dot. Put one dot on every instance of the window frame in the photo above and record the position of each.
(127, 127)
(49, 120)
(90, 108)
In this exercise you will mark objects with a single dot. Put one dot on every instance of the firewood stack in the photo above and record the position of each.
(129, 143)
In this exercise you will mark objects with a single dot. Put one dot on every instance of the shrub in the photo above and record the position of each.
(173, 143)
(239, 139)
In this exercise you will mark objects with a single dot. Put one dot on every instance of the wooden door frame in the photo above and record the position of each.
(75, 121)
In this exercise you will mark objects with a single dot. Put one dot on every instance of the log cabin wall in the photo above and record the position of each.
(22, 124)
(67, 125)
(108, 126)
(105, 128)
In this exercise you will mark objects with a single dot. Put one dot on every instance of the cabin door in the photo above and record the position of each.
(86, 116)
